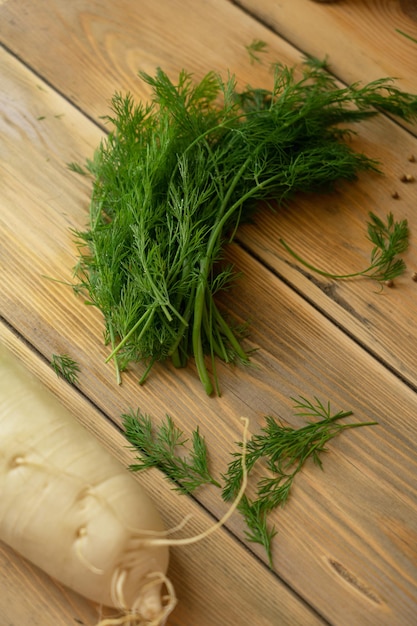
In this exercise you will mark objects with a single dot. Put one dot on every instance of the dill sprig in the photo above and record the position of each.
(73, 166)
(160, 448)
(65, 367)
(258, 529)
(175, 178)
(254, 48)
(390, 239)
(282, 449)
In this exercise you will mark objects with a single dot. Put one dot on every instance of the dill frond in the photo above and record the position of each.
(284, 451)
(390, 239)
(254, 48)
(160, 448)
(77, 168)
(65, 367)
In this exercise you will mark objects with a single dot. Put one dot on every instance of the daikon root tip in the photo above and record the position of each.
(134, 617)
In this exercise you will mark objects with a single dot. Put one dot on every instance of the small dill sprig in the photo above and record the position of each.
(284, 451)
(258, 530)
(77, 168)
(65, 367)
(160, 449)
(390, 239)
(254, 48)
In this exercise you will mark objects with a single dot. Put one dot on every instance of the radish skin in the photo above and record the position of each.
(71, 509)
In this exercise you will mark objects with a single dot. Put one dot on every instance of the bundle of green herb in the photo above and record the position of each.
(175, 178)
(283, 450)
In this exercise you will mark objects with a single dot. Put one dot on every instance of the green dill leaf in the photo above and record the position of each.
(77, 168)
(65, 367)
(254, 48)
(390, 239)
(284, 451)
(161, 449)
(258, 530)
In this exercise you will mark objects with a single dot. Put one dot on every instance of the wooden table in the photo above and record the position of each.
(346, 551)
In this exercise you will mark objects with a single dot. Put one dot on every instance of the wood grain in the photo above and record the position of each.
(209, 589)
(359, 38)
(100, 46)
(40, 602)
(298, 350)
(350, 529)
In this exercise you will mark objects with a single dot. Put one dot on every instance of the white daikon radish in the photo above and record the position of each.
(71, 509)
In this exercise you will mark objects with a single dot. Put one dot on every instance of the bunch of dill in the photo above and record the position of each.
(279, 450)
(174, 179)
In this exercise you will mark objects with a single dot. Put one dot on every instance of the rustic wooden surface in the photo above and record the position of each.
(346, 552)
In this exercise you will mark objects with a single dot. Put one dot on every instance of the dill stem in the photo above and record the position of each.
(323, 272)
(406, 35)
(215, 235)
(175, 357)
(183, 327)
(216, 343)
(116, 364)
(146, 372)
(149, 313)
(223, 215)
(196, 334)
(357, 425)
(230, 335)
(205, 267)
(164, 305)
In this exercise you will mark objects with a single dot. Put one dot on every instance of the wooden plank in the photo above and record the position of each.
(114, 41)
(28, 596)
(100, 48)
(349, 528)
(209, 590)
(360, 39)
